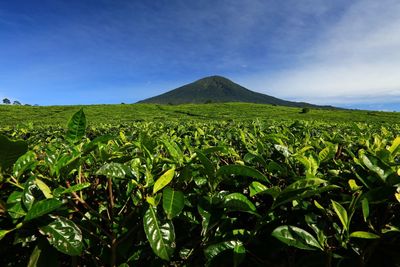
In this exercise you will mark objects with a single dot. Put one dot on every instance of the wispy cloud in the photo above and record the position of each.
(357, 59)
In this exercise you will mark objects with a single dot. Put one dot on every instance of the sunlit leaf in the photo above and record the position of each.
(173, 202)
(164, 180)
(296, 237)
(161, 236)
(64, 235)
(76, 126)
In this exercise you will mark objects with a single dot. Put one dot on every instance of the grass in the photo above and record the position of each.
(116, 114)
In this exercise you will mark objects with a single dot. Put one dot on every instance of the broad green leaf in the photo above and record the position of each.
(44, 188)
(214, 250)
(304, 183)
(241, 170)
(373, 167)
(207, 165)
(258, 188)
(394, 148)
(173, 202)
(161, 236)
(14, 205)
(296, 237)
(10, 151)
(341, 213)
(75, 188)
(365, 235)
(114, 170)
(64, 235)
(365, 208)
(164, 180)
(76, 126)
(239, 202)
(42, 207)
(310, 163)
(326, 153)
(174, 150)
(30, 191)
(96, 142)
(25, 162)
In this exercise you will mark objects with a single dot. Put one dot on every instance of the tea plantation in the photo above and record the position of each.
(198, 185)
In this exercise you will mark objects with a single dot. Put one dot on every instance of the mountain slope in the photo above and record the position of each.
(218, 89)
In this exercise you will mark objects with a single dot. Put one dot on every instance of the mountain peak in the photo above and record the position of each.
(217, 89)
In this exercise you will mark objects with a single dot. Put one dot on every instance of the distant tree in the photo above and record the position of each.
(17, 103)
(6, 101)
(209, 101)
(305, 110)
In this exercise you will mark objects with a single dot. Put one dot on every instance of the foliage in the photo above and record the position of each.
(215, 193)
(305, 110)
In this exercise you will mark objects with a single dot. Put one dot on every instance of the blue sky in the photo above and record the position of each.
(337, 52)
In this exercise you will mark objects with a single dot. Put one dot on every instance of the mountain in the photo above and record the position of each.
(219, 89)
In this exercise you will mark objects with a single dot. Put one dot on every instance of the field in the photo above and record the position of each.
(114, 114)
(198, 185)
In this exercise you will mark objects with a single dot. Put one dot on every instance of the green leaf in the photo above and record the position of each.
(341, 213)
(296, 237)
(214, 250)
(14, 205)
(35, 256)
(75, 188)
(30, 191)
(241, 170)
(174, 150)
(25, 162)
(164, 180)
(42, 207)
(114, 170)
(394, 148)
(326, 153)
(76, 126)
(3, 233)
(365, 208)
(365, 235)
(87, 148)
(256, 188)
(64, 235)
(44, 188)
(207, 165)
(10, 151)
(205, 219)
(304, 183)
(371, 165)
(173, 202)
(160, 236)
(239, 253)
(239, 202)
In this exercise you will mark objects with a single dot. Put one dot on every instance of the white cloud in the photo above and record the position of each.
(356, 60)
